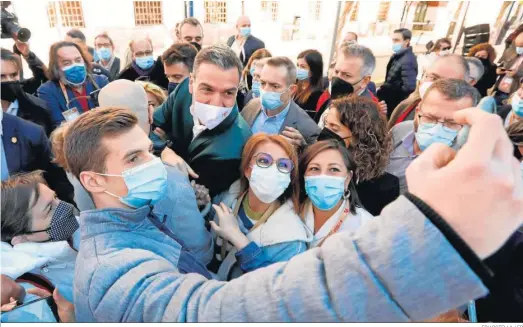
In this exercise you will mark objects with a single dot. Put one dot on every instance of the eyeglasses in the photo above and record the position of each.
(265, 160)
(447, 124)
(103, 45)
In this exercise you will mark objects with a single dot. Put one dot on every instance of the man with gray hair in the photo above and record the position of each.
(476, 70)
(452, 66)
(433, 123)
(201, 122)
(275, 112)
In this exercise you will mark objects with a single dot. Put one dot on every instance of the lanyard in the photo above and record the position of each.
(64, 92)
(338, 224)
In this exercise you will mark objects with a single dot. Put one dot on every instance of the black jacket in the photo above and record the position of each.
(38, 69)
(400, 80)
(488, 79)
(156, 76)
(249, 47)
(377, 193)
(114, 70)
(35, 110)
(310, 105)
(27, 149)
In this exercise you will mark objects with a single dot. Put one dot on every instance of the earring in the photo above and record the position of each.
(347, 195)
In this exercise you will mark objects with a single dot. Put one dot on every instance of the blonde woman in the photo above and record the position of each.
(155, 96)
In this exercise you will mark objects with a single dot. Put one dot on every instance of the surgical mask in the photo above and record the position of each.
(245, 31)
(268, 183)
(210, 116)
(63, 223)
(271, 100)
(145, 62)
(172, 86)
(339, 88)
(423, 88)
(517, 105)
(325, 191)
(75, 74)
(396, 47)
(251, 71)
(256, 88)
(146, 183)
(519, 50)
(428, 134)
(104, 53)
(302, 74)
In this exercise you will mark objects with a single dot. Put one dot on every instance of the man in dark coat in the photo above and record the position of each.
(402, 70)
(201, 119)
(243, 43)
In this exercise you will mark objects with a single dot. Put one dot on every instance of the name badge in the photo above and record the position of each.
(71, 114)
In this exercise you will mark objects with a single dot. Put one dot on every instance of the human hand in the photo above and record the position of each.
(170, 158)
(228, 227)
(65, 308)
(23, 47)
(11, 291)
(500, 70)
(202, 194)
(511, 73)
(35, 237)
(150, 109)
(478, 190)
(159, 132)
(382, 106)
(293, 136)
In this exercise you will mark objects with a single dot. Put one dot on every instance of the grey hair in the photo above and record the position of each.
(460, 61)
(455, 89)
(287, 64)
(219, 55)
(476, 68)
(362, 52)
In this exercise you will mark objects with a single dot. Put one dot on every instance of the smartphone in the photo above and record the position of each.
(38, 310)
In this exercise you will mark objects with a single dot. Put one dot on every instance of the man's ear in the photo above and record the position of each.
(91, 182)
(191, 83)
(472, 81)
(293, 88)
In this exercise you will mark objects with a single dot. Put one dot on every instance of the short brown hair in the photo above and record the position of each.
(53, 72)
(371, 144)
(184, 53)
(7, 55)
(287, 64)
(191, 21)
(257, 55)
(77, 145)
(439, 43)
(248, 153)
(19, 194)
(104, 35)
(483, 47)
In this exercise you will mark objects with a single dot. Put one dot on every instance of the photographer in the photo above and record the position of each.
(16, 98)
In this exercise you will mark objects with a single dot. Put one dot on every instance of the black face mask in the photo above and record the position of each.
(63, 223)
(340, 88)
(11, 91)
(327, 134)
(485, 62)
(197, 46)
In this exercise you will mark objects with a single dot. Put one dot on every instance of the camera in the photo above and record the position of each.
(9, 24)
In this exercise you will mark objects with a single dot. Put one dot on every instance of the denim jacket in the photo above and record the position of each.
(397, 267)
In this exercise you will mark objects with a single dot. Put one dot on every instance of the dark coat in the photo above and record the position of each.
(487, 80)
(114, 71)
(35, 110)
(27, 148)
(52, 94)
(296, 118)
(377, 193)
(312, 102)
(38, 69)
(400, 80)
(156, 76)
(249, 47)
(215, 155)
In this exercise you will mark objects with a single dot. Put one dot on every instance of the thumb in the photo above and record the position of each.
(191, 171)
(38, 292)
(58, 298)
(434, 157)
(214, 226)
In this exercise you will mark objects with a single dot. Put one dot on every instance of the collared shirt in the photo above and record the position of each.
(198, 128)
(401, 158)
(270, 125)
(13, 108)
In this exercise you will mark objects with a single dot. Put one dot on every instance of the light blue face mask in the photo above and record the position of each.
(428, 134)
(251, 71)
(519, 50)
(517, 105)
(75, 74)
(396, 47)
(245, 31)
(256, 88)
(325, 191)
(146, 184)
(104, 54)
(302, 74)
(145, 62)
(271, 100)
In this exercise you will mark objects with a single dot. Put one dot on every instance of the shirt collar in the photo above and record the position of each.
(408, 143)
(13, 107)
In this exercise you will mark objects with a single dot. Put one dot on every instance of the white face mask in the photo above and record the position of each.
(268, 183)
(423, 88)
(210, 116)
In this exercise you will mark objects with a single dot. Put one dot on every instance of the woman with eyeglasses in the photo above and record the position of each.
(441, 48)
(328, 199)
(357, 123)
(40, 236)
(258, 215)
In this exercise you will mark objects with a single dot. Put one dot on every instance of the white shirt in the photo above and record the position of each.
(237, 47)
(13, 108)
(198, 128)
(351, 224)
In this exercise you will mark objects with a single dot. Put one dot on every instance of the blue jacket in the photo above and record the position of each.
(27, 148)
(249, 47)
(52, 94)
(127, 270)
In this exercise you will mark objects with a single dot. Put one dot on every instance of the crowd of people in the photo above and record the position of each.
(226, 183)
